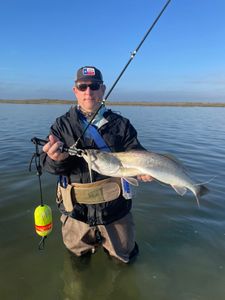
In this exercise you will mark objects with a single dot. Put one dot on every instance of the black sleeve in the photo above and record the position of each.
(58, 167)
(130, 140)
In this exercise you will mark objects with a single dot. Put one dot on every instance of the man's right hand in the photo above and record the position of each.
(52, 148)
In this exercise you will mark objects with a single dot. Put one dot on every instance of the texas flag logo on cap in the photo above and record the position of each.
(89, 71)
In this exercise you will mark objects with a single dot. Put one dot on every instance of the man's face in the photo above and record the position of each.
(89, 94)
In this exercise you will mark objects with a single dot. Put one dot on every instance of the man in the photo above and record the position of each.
(88, 218)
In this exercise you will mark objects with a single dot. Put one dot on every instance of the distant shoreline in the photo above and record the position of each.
(119, 103)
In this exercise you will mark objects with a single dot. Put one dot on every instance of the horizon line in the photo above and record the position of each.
(119, 103)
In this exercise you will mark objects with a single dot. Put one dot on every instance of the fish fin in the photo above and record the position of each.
(128, 172)
(131, 180)
(202, 183)
(181, 190)
(197, 201)
(201, 190)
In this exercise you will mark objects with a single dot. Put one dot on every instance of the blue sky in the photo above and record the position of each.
(44, 42)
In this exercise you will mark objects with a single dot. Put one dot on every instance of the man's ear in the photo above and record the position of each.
(103, 88)
(74, 90)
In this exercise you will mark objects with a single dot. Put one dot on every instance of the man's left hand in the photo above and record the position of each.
(145, 178)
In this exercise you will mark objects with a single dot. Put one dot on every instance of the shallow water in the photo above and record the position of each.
(181, 246)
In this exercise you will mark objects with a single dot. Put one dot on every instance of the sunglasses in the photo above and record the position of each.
(93, 86)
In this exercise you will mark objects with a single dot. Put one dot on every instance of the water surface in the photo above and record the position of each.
(182, 247)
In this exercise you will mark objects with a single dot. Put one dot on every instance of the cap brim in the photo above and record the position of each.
(89, 79)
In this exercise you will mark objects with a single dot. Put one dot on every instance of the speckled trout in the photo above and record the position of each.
(161, 167)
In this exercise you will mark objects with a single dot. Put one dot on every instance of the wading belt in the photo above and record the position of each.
(89, 193)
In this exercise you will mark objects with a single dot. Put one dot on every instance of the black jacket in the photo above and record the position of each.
(118, 134)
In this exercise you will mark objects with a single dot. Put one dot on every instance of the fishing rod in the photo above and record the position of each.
(123, 70)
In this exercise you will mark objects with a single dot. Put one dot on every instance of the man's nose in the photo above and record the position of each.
(88, 90)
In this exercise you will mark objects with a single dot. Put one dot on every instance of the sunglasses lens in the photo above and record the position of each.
(93, 86)
(82, 87)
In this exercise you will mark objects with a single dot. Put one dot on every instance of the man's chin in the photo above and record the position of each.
(92, 106)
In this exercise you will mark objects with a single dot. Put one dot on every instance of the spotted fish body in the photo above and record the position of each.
(163, 168)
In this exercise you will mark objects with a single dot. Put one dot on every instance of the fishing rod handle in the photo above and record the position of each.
(71, 150)
(42, 142)
(38, 141)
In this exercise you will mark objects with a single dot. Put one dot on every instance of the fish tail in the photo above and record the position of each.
(200, 191)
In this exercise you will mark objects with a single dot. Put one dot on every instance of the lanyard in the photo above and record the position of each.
(93, 132)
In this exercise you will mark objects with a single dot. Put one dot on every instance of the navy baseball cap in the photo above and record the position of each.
(89, 73)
